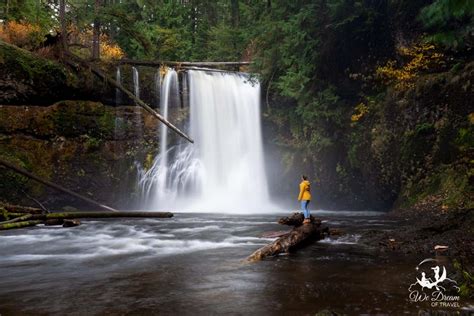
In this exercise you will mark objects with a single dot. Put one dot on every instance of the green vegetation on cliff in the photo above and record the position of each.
(76, 144)
(29, 79)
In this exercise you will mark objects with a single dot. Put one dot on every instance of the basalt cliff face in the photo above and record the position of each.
(411, 151)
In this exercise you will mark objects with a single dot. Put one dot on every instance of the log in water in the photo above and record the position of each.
(299, 236)
(35, 219)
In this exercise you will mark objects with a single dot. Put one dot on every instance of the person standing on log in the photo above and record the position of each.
(305, 197)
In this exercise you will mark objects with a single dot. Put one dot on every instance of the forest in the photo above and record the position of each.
(370, 99)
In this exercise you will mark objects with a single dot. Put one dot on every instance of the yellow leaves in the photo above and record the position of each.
(417, 58)
(361, 109)
(110, 50)
(163, 71)
(471, 118)
(22, 34)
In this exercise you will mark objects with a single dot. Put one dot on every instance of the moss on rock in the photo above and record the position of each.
(28, 78)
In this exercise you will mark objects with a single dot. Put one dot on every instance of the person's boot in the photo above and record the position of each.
(307, 221)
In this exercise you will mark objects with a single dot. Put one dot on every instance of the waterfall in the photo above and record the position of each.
(224, 169)
(118, 100)
(157, 87)
(136, 82)
(170, 85)
(138, 115)
(118, 93)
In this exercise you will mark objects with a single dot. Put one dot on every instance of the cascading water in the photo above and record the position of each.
(157, 86)
(136, 82)
(118, 101)
(118, 93)
(136, 92)
(224, 169)
(170, 85)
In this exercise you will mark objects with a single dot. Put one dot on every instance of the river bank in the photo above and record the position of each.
(422, 232)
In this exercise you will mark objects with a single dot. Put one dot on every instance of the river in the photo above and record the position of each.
(192, 265)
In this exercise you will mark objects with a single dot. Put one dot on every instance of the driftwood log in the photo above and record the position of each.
(182, 63)
(299, 236)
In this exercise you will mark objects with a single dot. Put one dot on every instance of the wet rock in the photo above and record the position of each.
(71, 222)
(336, 232)
(54, 222)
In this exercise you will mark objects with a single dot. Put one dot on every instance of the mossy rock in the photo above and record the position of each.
(30, 79)
(76, 118)
(448, 184)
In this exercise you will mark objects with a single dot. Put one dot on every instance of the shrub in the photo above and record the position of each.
(21, 34)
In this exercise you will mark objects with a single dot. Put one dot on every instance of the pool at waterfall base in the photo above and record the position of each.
(193, 264)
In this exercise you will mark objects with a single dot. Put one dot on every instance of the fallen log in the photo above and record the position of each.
(17, 219)
(53, 185)
(20, 224)
(21, 209)
(299, 236)
(61, 218)
(187, 68)
(154, 63)
(71, 215)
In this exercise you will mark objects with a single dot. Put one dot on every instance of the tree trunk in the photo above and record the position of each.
(96, 32)
(178, 64)
(17, 219)
(52, 218)
(296, 238)
(7, 11)
(71, 215)
(235, 13)
(62, 19)
(20, 224)
(21, 209)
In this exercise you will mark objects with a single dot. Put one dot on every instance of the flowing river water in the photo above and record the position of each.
(192, 265)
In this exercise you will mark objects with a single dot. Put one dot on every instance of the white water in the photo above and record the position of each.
(118, 101)
(118, 93)
(136, 92)
(157, 86)
(169, 86)
(223, 171)
(136, 82)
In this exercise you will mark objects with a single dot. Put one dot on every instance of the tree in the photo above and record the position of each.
(450, 23)
(96, 31)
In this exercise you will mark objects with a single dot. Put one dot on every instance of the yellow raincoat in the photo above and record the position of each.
(305, 191)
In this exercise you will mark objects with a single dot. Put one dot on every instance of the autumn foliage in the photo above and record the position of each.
(109, 50)
(415, 60)
(21, 34)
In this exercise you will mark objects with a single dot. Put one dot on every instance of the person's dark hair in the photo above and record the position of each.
(304, 177)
